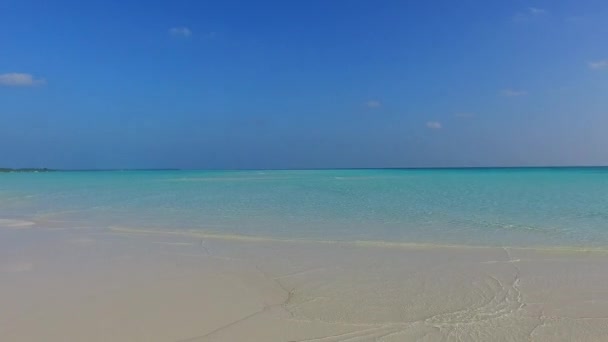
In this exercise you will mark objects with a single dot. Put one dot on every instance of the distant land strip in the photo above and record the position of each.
(25, 170)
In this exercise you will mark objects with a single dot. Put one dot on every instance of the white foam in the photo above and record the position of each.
(10, 223)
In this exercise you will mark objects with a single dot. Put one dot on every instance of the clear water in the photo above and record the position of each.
(496, 207)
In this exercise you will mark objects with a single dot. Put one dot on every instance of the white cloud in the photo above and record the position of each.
(599, 65)
(373, 104)
(513, 93)
(433, 125)
(15, 79)
(180, 32)
(529, 13)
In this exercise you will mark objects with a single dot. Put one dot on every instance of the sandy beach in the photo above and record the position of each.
(303, 171)
(121, 284)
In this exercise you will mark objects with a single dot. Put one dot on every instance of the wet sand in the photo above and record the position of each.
(127, 285)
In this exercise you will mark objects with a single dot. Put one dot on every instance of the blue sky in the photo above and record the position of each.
(303, 84)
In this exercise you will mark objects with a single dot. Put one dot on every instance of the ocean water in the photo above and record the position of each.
(564, 207)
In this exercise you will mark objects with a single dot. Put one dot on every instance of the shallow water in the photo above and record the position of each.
(546, 207)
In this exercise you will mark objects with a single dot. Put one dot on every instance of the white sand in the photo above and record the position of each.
(117, 285)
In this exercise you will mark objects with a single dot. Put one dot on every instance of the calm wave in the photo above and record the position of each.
(497, 207)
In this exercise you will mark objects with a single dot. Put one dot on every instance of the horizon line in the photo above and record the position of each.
(46, 169)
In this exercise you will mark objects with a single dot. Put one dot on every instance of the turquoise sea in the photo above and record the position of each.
(493, 207)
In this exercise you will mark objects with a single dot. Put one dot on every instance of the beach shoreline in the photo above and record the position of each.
(119, 285)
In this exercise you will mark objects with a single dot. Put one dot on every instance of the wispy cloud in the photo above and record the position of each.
(183, 32)
(15, 79)
(529, 13)
(513, 93)
(598, 65)
(536, 10)
(210, 35)
(575, 19)
(433, 125)
(373, 104)
(464, 115)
